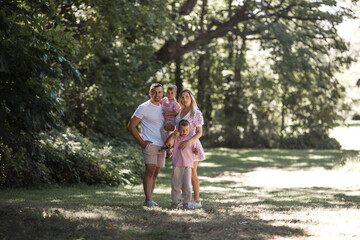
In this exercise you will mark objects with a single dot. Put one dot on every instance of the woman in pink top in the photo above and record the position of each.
(190, 112)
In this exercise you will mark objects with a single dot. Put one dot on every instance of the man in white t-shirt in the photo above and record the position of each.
(149, 115)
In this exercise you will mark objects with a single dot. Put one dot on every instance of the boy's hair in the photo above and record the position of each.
(184, 123)
(172, 87)
(155, 85)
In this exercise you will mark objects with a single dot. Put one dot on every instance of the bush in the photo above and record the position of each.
(356, 117)
(68, 157)
(311, 140)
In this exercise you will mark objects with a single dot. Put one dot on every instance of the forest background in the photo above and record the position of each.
(264, 73)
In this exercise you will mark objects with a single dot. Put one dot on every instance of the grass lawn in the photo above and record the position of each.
(246, 194)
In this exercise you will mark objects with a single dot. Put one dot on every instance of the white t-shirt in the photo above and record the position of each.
(152, 120)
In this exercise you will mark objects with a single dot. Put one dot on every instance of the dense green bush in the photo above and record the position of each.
(68, 157)
(311, 140)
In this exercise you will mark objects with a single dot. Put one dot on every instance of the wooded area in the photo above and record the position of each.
(73, 72)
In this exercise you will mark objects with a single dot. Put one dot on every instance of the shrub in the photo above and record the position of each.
(68, 157)
(311, 140)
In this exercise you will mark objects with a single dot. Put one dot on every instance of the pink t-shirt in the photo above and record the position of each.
(185, 157)
(195, 121)
(169, 106)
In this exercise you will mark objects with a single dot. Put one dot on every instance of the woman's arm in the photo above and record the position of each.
(198, 134)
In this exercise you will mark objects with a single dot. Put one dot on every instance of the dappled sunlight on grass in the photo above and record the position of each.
(94, 213)
(14, 201)
(261, 159)
(275, 178)
(246, 194)
(209, 164)
(81, 196)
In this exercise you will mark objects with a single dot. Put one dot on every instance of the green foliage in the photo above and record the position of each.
(87, 65)
(115, 57)
(69, 157)
(32, 51)
(312, 140)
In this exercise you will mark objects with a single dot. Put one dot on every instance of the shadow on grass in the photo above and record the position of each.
(117, 213)
(231, 210)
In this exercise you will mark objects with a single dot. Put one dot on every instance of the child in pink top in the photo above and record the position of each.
(170, 109)
(182, 161)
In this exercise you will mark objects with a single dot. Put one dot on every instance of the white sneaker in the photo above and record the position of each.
(182, 205)
(150, 203)
(195, 204)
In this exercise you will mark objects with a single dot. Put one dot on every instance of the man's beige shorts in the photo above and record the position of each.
(153, 156)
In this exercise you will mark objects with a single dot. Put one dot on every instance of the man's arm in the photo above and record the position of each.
(134, 121)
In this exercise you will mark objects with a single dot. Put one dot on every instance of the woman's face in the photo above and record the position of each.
(186, 99)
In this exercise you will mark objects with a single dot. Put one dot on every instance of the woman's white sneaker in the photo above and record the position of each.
(195, 204)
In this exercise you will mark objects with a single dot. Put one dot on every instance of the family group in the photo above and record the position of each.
(170, 128)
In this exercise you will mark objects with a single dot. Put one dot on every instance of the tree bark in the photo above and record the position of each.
(173, 49)
(178, 78)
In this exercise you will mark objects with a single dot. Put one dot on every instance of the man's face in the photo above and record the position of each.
(170, 94)
(184, 131)
(156, 94)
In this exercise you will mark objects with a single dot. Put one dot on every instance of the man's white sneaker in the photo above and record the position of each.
(195, 204)
(155, 204)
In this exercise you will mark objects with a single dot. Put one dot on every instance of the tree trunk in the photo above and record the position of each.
(207, 101)
(201, 81)
(178, 78)
(283, 114)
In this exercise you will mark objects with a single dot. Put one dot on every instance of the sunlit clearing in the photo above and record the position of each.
(209, 164)
(225, 177)
(348, 137)
(260, 159)
(325, 224)
(274, 178)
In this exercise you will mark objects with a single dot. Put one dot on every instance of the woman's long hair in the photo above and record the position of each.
(193, 106)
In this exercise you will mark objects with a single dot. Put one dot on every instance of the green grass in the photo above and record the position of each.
(246, 194)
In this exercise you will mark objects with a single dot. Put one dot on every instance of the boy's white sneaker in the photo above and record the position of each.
(195, 204)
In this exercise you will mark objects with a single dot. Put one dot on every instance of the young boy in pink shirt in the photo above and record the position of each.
(182, 161)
